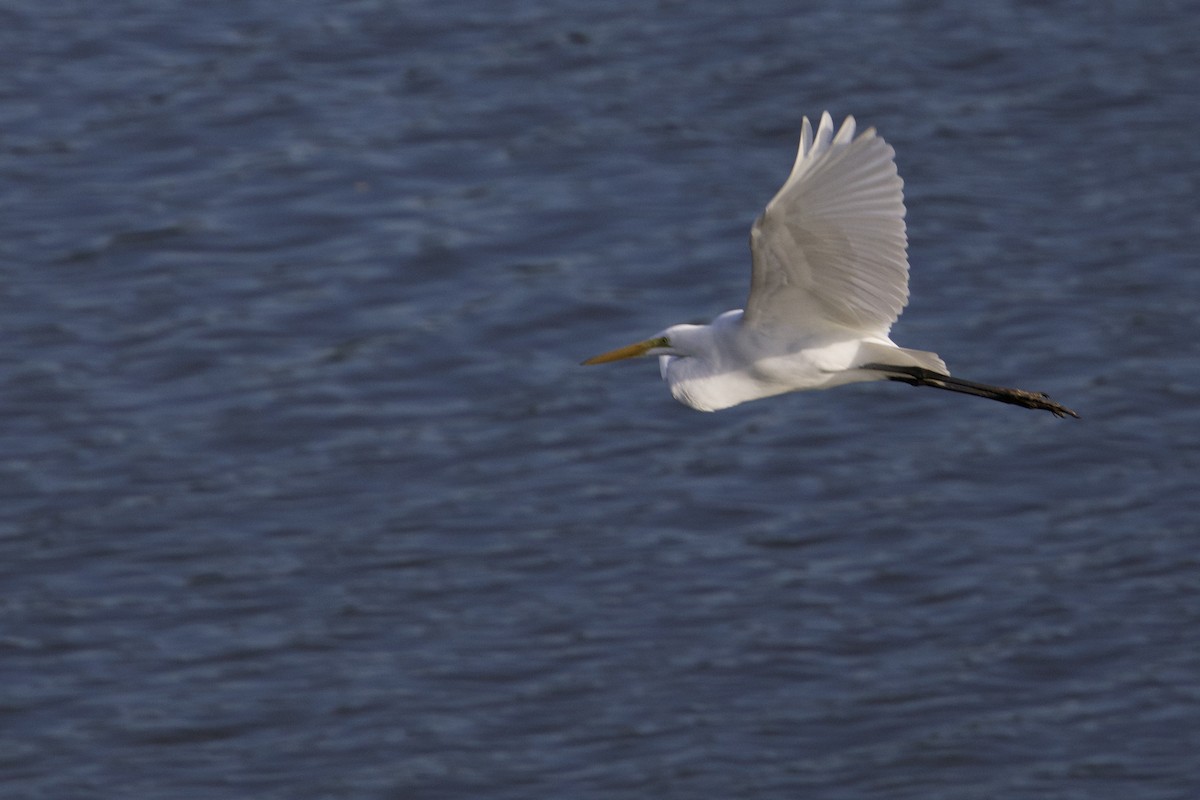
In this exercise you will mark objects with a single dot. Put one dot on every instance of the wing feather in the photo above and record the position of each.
(830, 250)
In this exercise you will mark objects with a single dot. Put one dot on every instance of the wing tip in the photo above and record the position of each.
(814, 143)
(845, 133)
(806, 139)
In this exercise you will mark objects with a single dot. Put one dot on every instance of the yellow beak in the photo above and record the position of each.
(629, 351)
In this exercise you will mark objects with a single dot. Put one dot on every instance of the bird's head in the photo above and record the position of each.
(674, 341)
(655, 346)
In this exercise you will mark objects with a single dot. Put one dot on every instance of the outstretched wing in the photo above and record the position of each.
(829, 251)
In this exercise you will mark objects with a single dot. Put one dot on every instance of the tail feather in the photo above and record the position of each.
(888, 354)
(919, 376)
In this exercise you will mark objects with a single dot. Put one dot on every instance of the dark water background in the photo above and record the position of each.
(305, 496)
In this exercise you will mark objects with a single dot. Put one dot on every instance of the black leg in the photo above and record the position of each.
(918, 376)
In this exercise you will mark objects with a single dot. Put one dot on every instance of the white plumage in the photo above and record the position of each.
(829, 277)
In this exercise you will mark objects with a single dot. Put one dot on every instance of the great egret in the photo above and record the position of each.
(829, 277)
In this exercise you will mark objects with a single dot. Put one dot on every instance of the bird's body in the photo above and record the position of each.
(829, 277)
(743, 362)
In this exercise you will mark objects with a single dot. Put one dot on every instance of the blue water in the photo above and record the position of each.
(306, 496)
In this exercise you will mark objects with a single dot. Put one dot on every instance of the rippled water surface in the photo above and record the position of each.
(305, 494)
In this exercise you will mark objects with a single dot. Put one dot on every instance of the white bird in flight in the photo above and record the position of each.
(829, 277)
